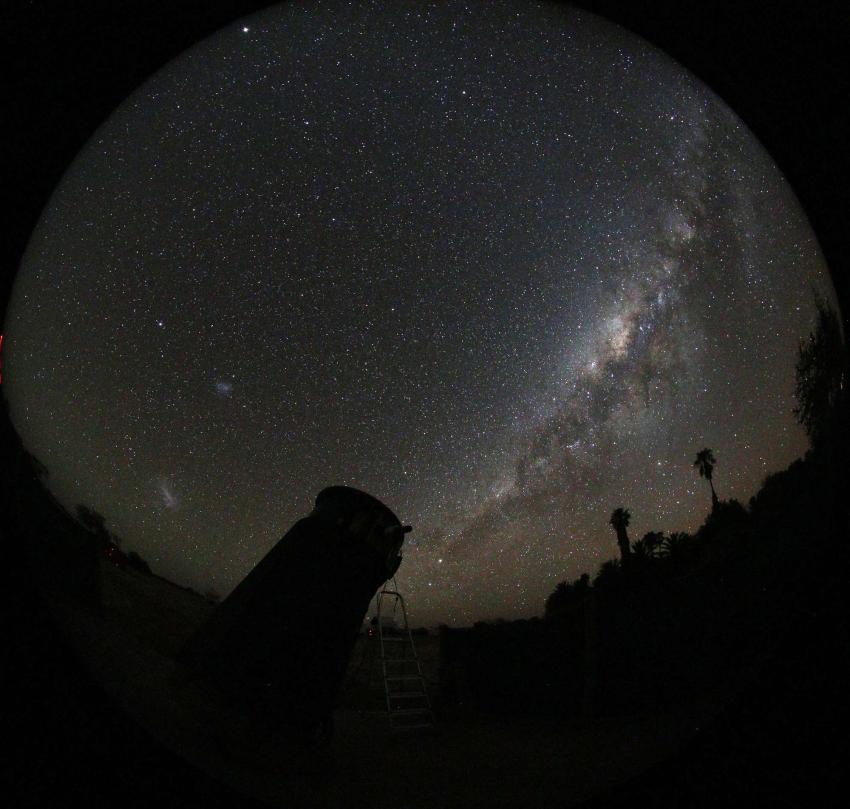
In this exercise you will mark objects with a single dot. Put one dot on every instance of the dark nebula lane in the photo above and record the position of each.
(504, 266)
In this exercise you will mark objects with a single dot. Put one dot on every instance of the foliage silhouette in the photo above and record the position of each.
(820, 375)
(137, 563)
(62, 556)
(678, 547)
(91, 520)
(608, 575)
(95, 523)
(566, 596)
(620, 521)
(702, 608)
(705, 462)
(640, 552)
(558, 600)
(727, 515)
(653, 541)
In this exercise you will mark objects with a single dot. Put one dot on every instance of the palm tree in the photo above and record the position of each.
(705, 462)
(674, 543)
(653, 542)
(620, 521)
(640, 550)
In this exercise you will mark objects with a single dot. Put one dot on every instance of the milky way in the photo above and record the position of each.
(505, 267)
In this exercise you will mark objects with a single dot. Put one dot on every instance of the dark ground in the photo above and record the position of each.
(128, 647)
(94, 716)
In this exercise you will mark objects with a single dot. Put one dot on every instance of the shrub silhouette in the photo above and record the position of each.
(820, 370)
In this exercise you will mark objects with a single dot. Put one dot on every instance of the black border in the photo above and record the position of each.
(781, 68)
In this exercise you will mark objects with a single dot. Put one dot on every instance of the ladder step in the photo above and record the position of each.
(400, 659)
(406, 677)
(410, 712)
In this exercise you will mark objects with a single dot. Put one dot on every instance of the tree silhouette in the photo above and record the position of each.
(91, 520)
(558, 599)
(94, 523)
(675, 544)
(820, 374)
(653, 541)
(705, 462)
(565, 596)
(136, 561)
(620, 521)
(608, 574)
(639, 550)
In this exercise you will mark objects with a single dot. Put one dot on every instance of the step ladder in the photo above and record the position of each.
(408, 704)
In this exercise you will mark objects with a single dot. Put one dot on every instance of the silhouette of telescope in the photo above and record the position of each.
(281, 642)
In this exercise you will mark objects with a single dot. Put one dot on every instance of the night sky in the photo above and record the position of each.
(504, 266)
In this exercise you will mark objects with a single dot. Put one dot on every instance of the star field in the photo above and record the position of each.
(504, 266)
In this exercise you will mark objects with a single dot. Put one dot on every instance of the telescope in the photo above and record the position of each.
(281, 642)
